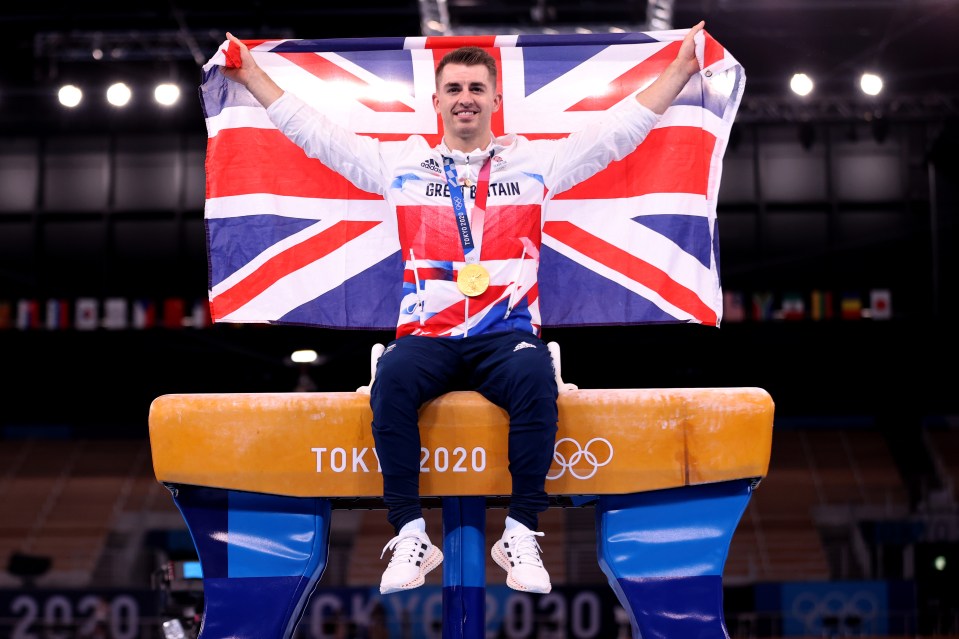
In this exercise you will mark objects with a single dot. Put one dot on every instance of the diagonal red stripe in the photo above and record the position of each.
(671, 159)
(250, 160)
(632, 267)
(284, 263)
(327, 71)
(640, 75)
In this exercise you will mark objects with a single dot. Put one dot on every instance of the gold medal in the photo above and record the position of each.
(472, 280)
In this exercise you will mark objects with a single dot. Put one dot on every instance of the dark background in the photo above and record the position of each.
(101, 382)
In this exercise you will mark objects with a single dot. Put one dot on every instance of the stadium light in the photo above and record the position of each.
(304, 359)
(306, 356)
(870, 83)
(801, 84)
(119, 94)
(166, 94)
(940, 563)
(69, 95)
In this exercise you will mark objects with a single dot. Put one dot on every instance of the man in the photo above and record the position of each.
(469, 213)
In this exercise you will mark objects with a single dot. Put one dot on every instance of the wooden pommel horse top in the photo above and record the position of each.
(610, 441)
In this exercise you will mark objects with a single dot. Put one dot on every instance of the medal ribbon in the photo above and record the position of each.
(471, 236)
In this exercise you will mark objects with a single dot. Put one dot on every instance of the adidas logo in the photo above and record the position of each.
(431, 165)
(523, 345)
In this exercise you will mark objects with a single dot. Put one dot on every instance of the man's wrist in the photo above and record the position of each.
(679, 70)
(263, 88)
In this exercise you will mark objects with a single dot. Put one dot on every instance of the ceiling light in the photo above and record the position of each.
(801, 84)
(166, 94)
(70, 95)
(118, 94)
(870, 83)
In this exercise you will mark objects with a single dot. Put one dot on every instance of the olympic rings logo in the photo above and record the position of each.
(816, 610)
(567, 457)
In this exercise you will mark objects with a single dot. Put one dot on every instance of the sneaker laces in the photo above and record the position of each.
(405, 547)
(525, 547)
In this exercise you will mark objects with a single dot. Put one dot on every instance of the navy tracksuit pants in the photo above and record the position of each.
(512, 369)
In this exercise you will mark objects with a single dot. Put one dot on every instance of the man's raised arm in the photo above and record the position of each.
(660, 94)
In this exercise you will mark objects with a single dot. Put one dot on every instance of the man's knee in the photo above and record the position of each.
(395, 370)
(535, 381)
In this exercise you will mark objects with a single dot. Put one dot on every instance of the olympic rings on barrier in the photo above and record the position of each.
(844, 607)
(580, 453)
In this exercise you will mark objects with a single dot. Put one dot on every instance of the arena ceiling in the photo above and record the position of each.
(913, 43)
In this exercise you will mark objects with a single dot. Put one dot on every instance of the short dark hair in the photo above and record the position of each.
(468, 56)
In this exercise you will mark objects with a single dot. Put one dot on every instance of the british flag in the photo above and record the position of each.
(292, 242)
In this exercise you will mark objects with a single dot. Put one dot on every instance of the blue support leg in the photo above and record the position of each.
(663, 553)
(261, 555)
(464, 568)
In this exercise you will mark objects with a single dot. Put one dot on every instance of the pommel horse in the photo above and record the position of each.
(669, 471)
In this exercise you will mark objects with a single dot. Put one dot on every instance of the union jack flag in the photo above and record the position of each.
(290, 241)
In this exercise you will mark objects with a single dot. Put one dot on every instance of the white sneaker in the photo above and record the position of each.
(517, 552)
(413, 557)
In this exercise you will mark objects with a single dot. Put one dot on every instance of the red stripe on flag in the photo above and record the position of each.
(250, 160)
(455, 42)
(497, 124)
(713, 52)
(670, 160)
(639, 76)
(232, 55)
(632, 267)
(329, 72)
(284, 263)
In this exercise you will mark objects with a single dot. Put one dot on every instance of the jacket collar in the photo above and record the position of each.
(478, 155)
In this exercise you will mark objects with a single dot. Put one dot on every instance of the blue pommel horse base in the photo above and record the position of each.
(669, 472)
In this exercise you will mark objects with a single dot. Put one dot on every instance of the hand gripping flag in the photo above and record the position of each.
(292, 242)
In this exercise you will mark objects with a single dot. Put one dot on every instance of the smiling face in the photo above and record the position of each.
(466, 99)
